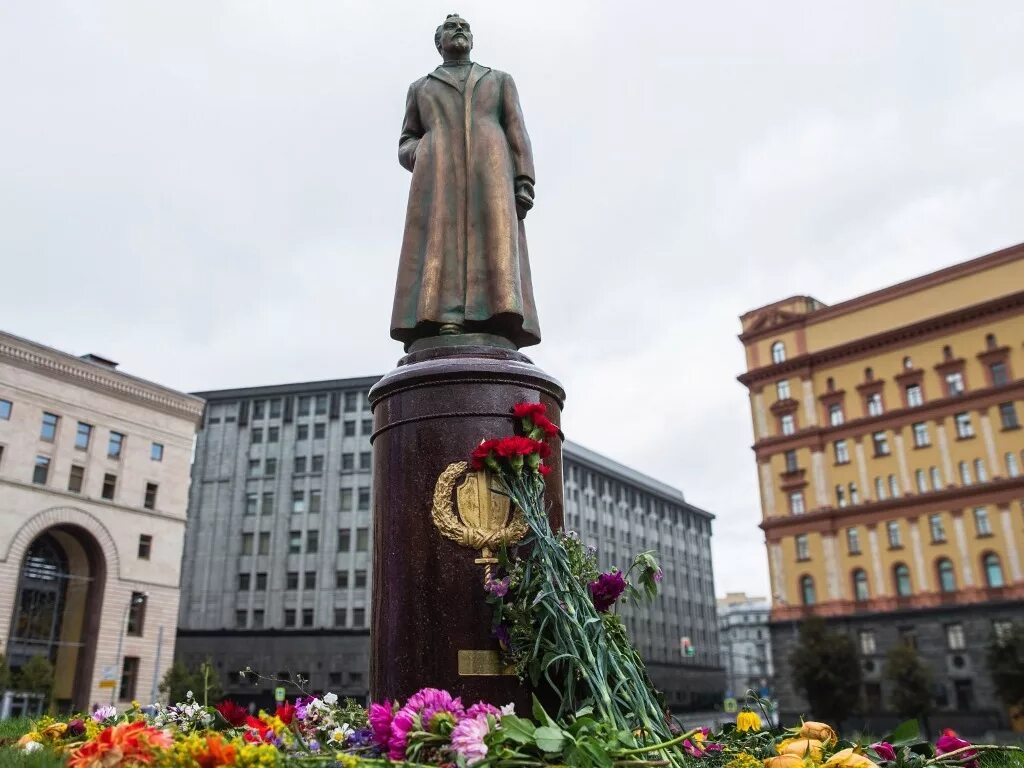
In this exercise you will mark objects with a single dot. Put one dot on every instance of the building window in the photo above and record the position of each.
(347, 462)
(261, 581)
(842, 454)
(840, 496)
(312, 541)
(860, 585)
(299, 466)
(82, 436)
(979, 470)
(807, 590)
(364, 460)
(314, 502)
(955, 640)
(1012, 467)
(309, 580)
(48, 430)
(796, 503)
(156, 452)
(358, 617)
(251, 503)
(291, 581)
(351, 400)
(835, 414)
(867, 642)
(319, 431)
(302, 406)
(109, 486)
(803, 551)
(145, 546)
(294, 542)
(76, 478)
(275, 408)
(875, 404)
(937, 530)
(344, 539)
(307, 617)
(921, 439)
(267, 503)
(1000, 376)
(915, 396)
(947, 576)
(349, 428)
(922, 480)
(360, 579)
(965, 473)
(5, 410)
(254, 467)
(881, 493)
(778, 352)
(256, 437)
(854, 495)
(341, 580)
(782, 389)
(244, 582)
(981, 523)
(852, 541)
(289, 617)
(115, 446)
(246, 543)
(129, 677)
(1008, 416)
(264, 545)
(136, 614)
(241, 619)
(791, 462)
(964, 429)
(893, 530)
(936, 480)
(993, 570)
(367, 427)
(270, 468)
(298, 502)
(362, 539)
(149, 500)
(954, 384)
(901, 575)
(317, 465)
(364, 498)
(881, 443)
(339, 621)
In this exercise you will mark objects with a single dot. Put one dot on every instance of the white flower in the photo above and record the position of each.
(32, 746)
(508, 709)
(188, 696)
(330, 699)
(339, 734)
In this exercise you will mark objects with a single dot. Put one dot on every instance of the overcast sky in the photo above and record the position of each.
(209, 192)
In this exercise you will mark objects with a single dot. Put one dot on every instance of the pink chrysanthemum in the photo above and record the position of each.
(468, 738)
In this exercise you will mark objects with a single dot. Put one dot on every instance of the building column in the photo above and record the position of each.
(961, 545)
(828, 544)
(818, 475)
(1012, 553)
(767, 488)
(901, 460)
(915, 540)
(947, 461)
(994, 468)
(778, 575)
(876, 562)
(810, 404)
(760, 415)
(862, 469)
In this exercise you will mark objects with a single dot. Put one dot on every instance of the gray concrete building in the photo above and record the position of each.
(746, 644)
(276, 573)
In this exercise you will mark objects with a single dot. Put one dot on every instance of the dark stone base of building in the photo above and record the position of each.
(431, 625)
(964, 699)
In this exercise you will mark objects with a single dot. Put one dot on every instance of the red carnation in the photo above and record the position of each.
(529, 410)
(233, 712)
(286, 712)
(516, 446)
(544, 469)
(544, 424)
(481, 453)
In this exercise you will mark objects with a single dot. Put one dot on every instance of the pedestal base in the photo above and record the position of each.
(431, 624)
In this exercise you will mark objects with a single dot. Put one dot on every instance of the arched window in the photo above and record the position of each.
(778, 352)
(807, 590)
(947, 576)
(869, 373)
(860, 585)
(990, 341)
(993, 570)
(907, 362)
(901, 575)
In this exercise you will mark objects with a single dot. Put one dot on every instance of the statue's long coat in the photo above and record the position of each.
(464, 257)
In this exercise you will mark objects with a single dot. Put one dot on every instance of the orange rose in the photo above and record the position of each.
(847, 758)
(819, 731)
(784, 761)
(802, 748)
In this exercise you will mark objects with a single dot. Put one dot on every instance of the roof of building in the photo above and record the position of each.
(296, 388)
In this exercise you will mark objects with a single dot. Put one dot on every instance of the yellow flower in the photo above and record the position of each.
(747, 720)
(784, 761)
(55, 731)
(744, 760)
(848, 758)
(819, 731)
(802, 748)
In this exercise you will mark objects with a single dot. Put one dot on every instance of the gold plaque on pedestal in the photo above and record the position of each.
(482, 664)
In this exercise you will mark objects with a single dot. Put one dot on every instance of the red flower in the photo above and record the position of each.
(233, 712)
(286, 712)
(516, 446)
(544, 469)
(529, 411)
(125, 744)
(218, 753)
(481, 453)
(546, 425)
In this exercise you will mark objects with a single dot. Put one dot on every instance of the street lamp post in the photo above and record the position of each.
(136, 599)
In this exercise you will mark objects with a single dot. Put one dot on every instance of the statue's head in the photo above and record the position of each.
(453, 38)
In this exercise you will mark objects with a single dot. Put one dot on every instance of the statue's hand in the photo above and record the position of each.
(524, 197)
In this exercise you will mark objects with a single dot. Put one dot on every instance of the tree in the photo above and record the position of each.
(827, 670)
(912, 683)
(35, 675)
(203, 681)
(1006, 665)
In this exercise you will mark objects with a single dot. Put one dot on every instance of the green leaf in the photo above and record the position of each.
(548, 739)
(517, 729)
(540, 715)
(584, 711)
(906, 732)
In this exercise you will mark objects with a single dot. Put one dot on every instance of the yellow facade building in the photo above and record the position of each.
(890, 458)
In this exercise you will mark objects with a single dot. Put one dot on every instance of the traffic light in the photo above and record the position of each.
(686, 647)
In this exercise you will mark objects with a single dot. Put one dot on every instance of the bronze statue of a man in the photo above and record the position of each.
(464, 268)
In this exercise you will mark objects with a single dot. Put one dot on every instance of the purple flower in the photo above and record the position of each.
(884, 750)
(483, 708)
(102, 713)
(606, 590)
(76, 727)
(468, 738)
(498, 587)
(364, 736)
(314, 745)
(425, 709)
(504, 638)
(659, 575)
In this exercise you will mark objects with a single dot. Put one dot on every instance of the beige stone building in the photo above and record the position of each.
(94, 477)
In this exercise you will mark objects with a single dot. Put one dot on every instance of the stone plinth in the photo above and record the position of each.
(428, 593)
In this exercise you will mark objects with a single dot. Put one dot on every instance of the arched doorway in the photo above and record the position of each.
(57, 610)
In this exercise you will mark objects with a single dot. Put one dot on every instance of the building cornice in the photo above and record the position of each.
(939, 277)
(73, 370)
(870, 345)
